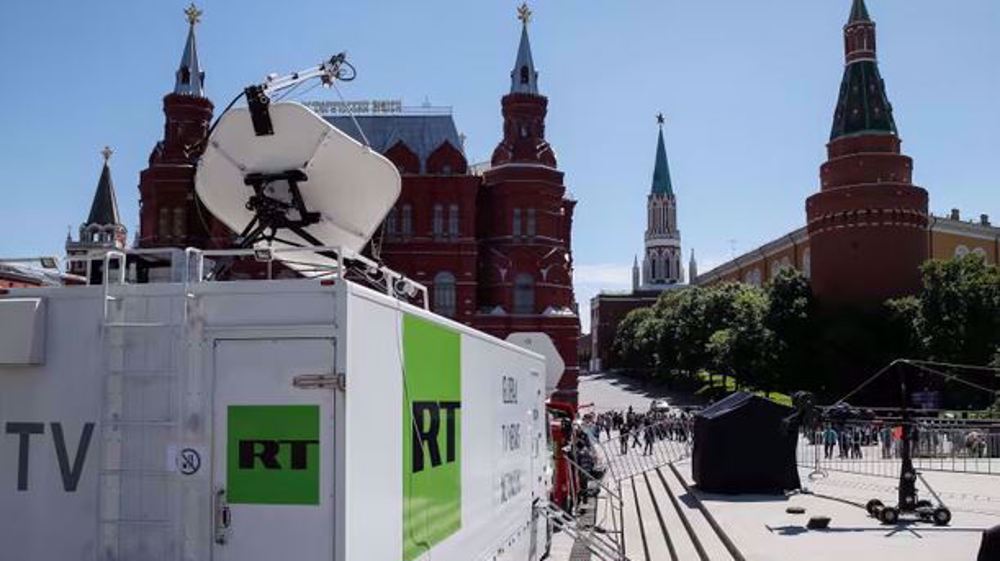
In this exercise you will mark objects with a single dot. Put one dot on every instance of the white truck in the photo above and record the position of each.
(300, 419)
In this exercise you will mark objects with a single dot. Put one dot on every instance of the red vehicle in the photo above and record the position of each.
(561, 417)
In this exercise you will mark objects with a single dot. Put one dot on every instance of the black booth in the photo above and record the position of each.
(741, 445)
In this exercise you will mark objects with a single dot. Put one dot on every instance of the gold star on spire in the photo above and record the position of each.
(193, 14)
(660, 119)
(524, 13)
(107, 152)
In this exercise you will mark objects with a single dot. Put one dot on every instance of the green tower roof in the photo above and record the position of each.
(661, 170)
(859, 12)
(863, 107)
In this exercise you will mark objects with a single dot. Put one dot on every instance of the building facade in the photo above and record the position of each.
(868, 229)
(492, 245)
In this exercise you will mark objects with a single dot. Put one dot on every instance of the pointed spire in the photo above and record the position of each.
(524, 78)
(859, 13)
(104, 208)
(863, 106)
(190, 77)
(661, 170)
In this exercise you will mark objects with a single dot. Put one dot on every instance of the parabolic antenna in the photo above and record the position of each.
(304, 184)
(542, 344)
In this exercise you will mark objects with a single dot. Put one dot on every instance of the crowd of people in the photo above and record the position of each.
(849, 440)
(635, 429)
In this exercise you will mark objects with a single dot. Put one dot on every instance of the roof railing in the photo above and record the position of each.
(189, 267)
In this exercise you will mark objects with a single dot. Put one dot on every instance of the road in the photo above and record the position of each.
(615, 391)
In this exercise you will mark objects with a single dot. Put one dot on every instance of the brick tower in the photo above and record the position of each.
(170, 214)
(868, 224)
(524, 222)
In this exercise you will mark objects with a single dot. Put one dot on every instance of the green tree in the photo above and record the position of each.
(631, 347)
(791, 312)
(744, 346)
(959, 318)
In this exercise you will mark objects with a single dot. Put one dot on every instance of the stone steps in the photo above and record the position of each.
(663, 522)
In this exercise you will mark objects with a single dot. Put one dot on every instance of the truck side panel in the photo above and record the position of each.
(49, 439)
(409, 442)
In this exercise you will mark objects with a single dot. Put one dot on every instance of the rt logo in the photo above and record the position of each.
(426, 429)
(265, 452)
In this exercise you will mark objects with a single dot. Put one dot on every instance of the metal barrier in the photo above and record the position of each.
(629, 453)
(189, 266)
(874, 447)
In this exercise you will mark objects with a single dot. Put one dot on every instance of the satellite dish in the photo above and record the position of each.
(542, 344)
(305, 184)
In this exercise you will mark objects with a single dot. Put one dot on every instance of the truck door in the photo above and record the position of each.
(273, 450)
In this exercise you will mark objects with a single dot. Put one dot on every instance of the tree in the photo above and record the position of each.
(791, 311)
(631, 346)
(744, 347)
(959, 318)
(956, 317)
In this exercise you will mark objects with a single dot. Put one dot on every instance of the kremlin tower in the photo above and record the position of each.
(868, 217)
(103, 231)
(524, 223)
(661, 266)
(170, 214)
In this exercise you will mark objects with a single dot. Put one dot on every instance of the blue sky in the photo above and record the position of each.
(748, 89)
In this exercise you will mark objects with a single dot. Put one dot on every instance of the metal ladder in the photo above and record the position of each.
(139, 499)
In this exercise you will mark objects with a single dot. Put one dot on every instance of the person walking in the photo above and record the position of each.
(829, 441)
(649, 436)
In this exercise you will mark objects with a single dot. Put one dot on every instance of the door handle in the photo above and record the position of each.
(223, 517)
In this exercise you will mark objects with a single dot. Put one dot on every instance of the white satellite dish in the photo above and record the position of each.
(318, 184)
(542, 344)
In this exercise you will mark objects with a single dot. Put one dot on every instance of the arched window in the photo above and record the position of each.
(524, 294)
(531, 226)
(453, 221)
(390, 222)
(164, 224)
(180, 222)
(961, 251)
(407, 220)
(444, 294)
(980, 252)
(807, 263)
(524, 75)
(652, 267)
(438, 223)
(516, 226)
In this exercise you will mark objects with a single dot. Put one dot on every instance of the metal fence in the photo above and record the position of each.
(624, 454)
(874, 447)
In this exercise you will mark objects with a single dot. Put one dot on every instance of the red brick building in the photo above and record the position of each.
(493, 247)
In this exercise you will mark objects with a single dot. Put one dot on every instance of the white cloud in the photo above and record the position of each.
(611, 274)
(589, 280)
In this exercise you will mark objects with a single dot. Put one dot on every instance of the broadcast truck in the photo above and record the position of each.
(300, 419)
